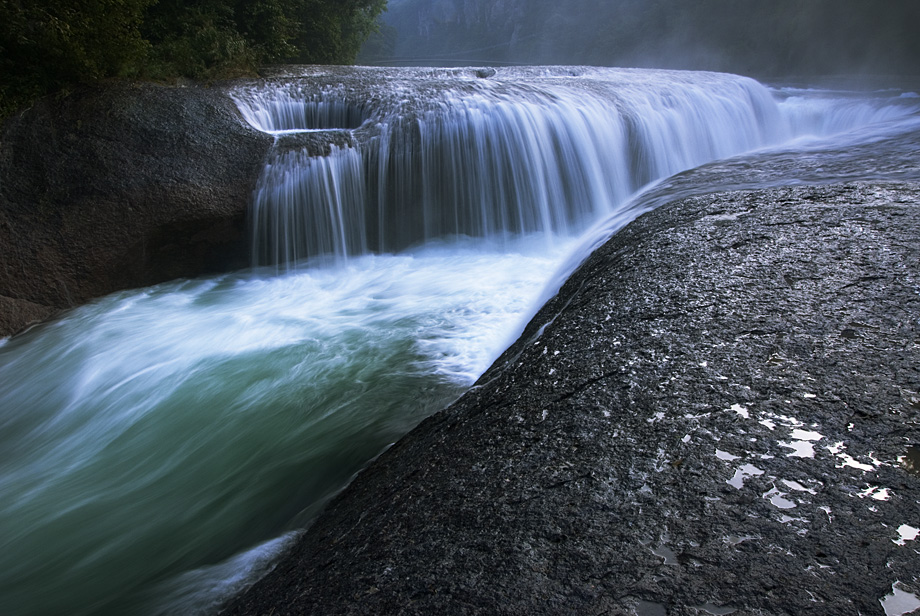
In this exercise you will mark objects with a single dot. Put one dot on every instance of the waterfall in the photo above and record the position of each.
(307, 205)
(445, 154)
(294, 109)
(157, 440)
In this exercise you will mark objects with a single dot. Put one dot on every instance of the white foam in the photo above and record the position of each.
(201, 592)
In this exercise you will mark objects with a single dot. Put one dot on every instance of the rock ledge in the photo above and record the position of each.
(119, 186)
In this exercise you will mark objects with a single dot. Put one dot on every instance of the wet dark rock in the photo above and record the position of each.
(711, 415)
(17, 314)
(121, 186)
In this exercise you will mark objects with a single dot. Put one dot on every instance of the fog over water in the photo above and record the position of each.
(764, 38)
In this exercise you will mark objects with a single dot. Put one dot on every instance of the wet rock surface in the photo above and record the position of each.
(714, 415)
(121, 186)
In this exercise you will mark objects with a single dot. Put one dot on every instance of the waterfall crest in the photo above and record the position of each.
(438, 153)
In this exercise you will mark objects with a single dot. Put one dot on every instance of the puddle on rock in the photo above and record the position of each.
(806, 435)
(911, 459)
(734, 540)
(665, 553)
(847, 460)
(899, 602)
(649, 608)
(800, 449)
(742, 412)
(798, 487)
(908, 533)
(801, 445)
(745, 472)
(777, 499)
(876, 493)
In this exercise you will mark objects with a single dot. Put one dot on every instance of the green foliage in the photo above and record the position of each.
(333, 34)
(49, 45)
(46, 45)
(207, 38)
(271, 26)
(196, 39)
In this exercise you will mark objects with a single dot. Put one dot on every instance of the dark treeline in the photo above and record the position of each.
(755, 37)
(47, 45)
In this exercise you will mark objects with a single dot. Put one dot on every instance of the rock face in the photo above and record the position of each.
(715, 415)
(121, 186)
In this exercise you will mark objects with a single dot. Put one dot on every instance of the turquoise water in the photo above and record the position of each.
(162, 430)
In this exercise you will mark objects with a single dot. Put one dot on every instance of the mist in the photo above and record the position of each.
(763, 38)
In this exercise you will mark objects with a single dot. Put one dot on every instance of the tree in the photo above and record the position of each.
(49, 45)
(332, 33)
(207, 37)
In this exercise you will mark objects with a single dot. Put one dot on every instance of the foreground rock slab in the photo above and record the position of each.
(718, 413)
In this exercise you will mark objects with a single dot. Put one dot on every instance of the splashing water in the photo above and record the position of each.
(157, 430)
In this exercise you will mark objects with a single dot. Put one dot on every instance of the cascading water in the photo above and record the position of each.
(488, 158)
(152, 438)
(154, 431)
(308, 205)
(521, 152)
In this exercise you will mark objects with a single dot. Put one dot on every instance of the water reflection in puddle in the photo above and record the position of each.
(777, 499)
(734, 540)
(911, 459)
(907, 533)
(650, 608)
(847, 460)
(899, 602)
(745, 472)
(798, 487)
(876, 493)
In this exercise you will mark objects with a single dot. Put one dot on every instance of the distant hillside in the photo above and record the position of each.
(757, 37)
